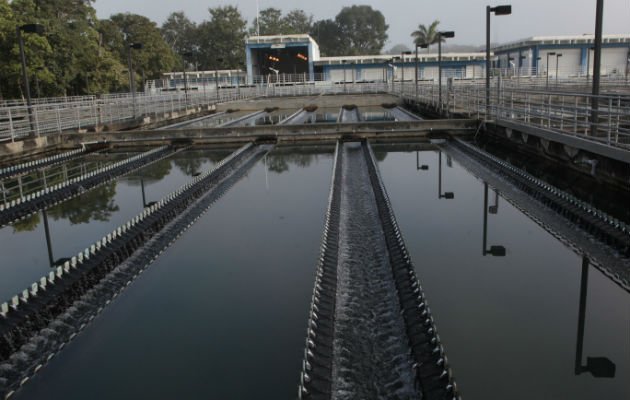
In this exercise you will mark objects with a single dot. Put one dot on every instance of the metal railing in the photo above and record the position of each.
(564, 107)
(604, 119)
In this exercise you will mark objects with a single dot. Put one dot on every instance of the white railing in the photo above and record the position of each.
(604, 119)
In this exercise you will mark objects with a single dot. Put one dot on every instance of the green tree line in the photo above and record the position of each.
(80, 54)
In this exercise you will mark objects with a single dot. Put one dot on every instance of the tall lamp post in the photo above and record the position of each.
(132, 82)
(186, 55)
(551, 53)
(441, 35)
(28, 28)
(422, 46)
(597, 63)
(498, 10)
(557, 62)
(216, 75)
(402, 60)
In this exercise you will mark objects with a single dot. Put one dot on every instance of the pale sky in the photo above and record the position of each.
(465, 17)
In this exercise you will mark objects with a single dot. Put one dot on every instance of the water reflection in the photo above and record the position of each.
(494, 250)
(419, 167)
(449, 163)
(599, 367)
(279, 162)
(94, 205)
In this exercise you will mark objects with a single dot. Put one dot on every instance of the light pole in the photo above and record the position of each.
(441, 35)
(422, 46)
(28, 28)
(216, 75)
(186, 55)
(132, 82)
(597, 63)
(344, 75)
(498, 10)
(557, 62)
(402, 80)
(518, 72)
(551, 53)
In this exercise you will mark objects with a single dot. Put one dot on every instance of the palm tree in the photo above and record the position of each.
(426, 35)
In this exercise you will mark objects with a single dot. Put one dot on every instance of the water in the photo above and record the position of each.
(222, 313)
(509, 324)
(79, 222)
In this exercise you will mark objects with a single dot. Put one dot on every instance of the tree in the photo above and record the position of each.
(328, 35)
(297, 22)
(180, 33)
(426, 35)
(154, 58)
(397, 49)
(223, 36)
(363, 29)
(270, 22)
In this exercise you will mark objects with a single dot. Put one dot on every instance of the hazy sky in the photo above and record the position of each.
(465, 17)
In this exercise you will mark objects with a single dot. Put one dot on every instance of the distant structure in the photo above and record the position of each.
(529, 56)
(296, 58)
(292, 55)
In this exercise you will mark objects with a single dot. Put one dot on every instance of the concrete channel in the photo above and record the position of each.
(368, 320)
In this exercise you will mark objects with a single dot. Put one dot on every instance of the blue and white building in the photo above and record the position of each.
(539, 55)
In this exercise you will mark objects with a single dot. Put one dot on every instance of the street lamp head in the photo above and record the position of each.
(33, 28)
(551, 53)
(559, 55)
(501, 10)
(423, 45)
(449, 195)
(406, 52)
(447, 34)
(136, 46)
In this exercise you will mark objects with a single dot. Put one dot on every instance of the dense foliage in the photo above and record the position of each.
(79, 54)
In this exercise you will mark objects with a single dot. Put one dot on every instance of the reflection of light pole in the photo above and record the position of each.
(29, 28)
(51, 262)
(599, 367)
(441, 35)
(344, 75)
(419, 167)
(551, 53)
(498, 10)
(445, 195)
(422, 46)
(495, 251)
(538, 66)
(132, 82)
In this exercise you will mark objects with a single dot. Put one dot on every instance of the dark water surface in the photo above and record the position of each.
(509, 324)
(222, 313)
(81, 221)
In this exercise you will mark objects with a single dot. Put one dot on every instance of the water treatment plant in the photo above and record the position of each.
(354, 230)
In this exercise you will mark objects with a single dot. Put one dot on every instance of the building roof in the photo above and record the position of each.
(273, 39)
(562, 40)
(381, 58)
